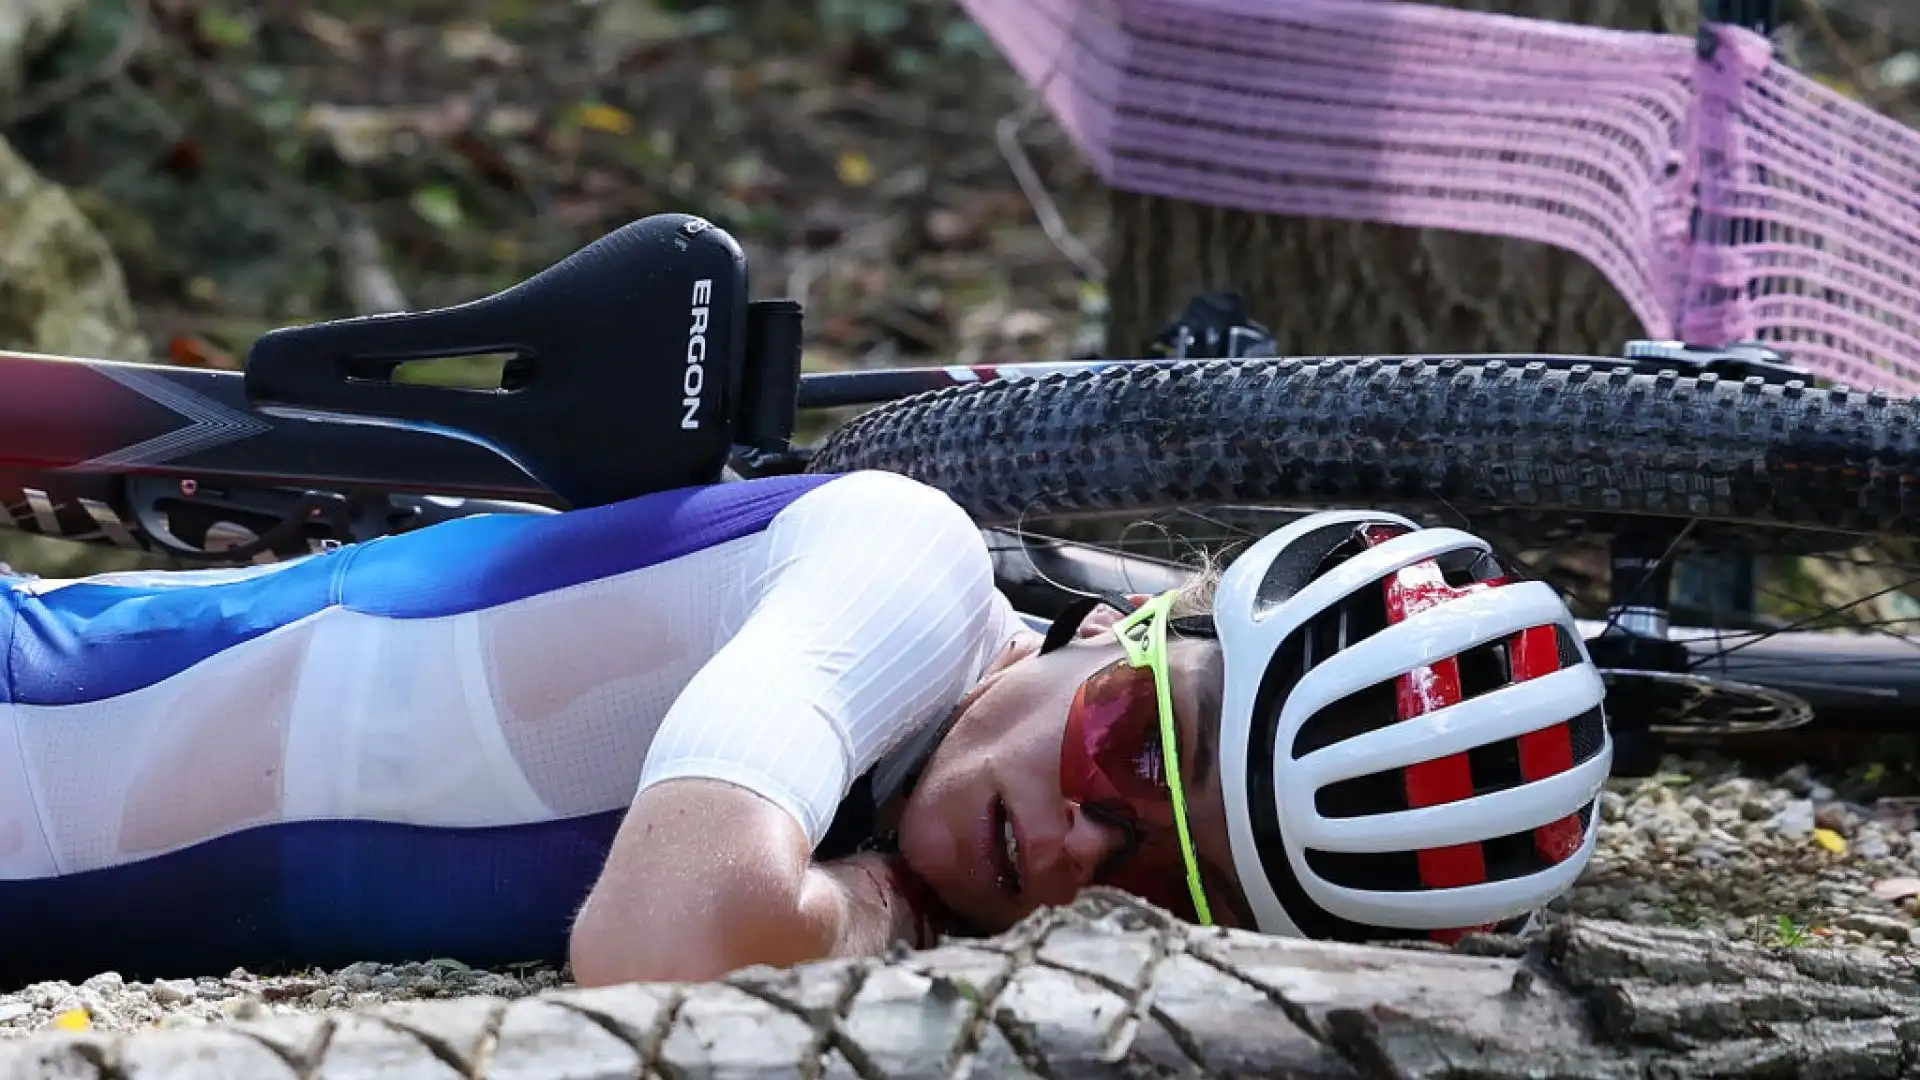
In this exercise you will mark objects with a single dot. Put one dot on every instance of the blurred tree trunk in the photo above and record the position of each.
(1351, 287)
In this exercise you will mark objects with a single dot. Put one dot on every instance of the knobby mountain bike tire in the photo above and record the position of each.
(1418, 432)
(1782, 467)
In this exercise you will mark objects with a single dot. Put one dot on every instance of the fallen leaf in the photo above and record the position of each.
(1838, 84)
(184, 157)
(334, 33)
(606, 118)
(73, 1020)
(224, 30)
(951, 228)
(1898, 888)
(439, 205)
(469, 41)
(855, 169)
(624, 25)
(1830, 840)
(189, 351)
(511, 121)
(360, 135)
(485, 159)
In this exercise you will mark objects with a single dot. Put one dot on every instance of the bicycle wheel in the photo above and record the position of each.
(1537, 456)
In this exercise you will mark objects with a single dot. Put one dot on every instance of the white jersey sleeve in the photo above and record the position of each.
(874, 611)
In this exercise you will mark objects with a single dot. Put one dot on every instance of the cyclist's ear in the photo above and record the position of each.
(1088, 616)
(1101, 619)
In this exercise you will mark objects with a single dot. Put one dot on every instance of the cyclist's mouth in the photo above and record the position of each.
(1005, 849)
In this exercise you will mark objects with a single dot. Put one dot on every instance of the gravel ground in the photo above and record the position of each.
(1779, 859)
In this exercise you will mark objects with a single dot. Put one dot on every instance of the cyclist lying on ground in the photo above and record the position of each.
(770, 721)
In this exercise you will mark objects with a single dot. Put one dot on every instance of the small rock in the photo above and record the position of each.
(1832, 815)
(14, 1010)
(1795, 820)
(386, 980)
(107, 982)
(1820, 793)
(1708, 855)
(496, 985)
(1732, 789)
(356, 982)
(172, 991)
(1866, 922)
(244, 1007)
(1896, 889)
(1871, 845)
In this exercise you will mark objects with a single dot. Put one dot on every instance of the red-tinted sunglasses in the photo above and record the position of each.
(1111, 764)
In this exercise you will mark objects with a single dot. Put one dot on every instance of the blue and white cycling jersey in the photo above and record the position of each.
(422, 745)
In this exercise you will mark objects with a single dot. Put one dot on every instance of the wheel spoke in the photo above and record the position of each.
(1810, 619)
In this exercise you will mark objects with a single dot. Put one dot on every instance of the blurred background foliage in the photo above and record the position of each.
(240, 155)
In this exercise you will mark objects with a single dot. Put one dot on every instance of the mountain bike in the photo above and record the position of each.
(1678, 495)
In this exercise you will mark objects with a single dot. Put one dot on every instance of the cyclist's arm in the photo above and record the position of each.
(707, 878)
(881, 617)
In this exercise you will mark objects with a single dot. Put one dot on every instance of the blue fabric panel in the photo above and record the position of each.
(317, 893)
(94, 640)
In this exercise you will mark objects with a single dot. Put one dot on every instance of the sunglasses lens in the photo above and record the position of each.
(1111, 754)
(1111, 764)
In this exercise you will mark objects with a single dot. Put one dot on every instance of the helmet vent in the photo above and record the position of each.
(1506, 857)
(1588, 732)
(1494, 766)
(1470, 566)
(1487, 667)
(1307, 559)
(1375, 707)
(1350, 717)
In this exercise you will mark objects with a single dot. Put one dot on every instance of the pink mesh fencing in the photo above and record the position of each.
(1726, 197)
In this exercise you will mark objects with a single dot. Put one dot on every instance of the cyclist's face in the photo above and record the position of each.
(998, 772)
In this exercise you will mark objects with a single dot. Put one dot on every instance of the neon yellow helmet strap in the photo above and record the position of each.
(1152, 653)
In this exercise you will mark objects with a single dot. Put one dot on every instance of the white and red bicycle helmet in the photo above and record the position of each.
(1411, 740)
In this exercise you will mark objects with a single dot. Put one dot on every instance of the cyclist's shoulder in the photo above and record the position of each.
(883, 516)
(894, 494)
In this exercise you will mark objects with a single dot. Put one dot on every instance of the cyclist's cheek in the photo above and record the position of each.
(1005, 749)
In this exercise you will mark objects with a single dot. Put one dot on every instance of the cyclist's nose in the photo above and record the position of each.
(1089, 843)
